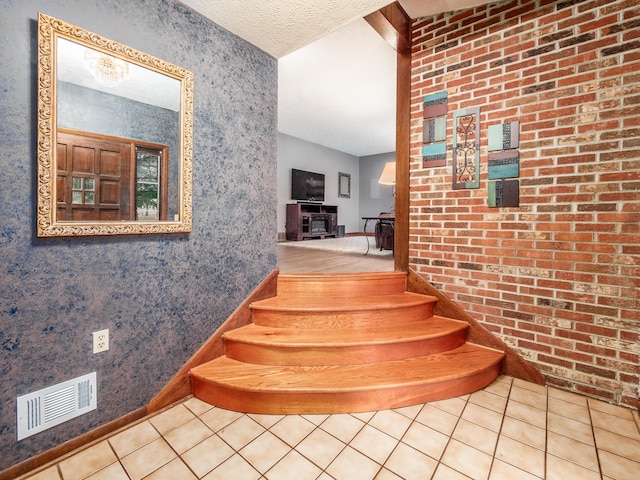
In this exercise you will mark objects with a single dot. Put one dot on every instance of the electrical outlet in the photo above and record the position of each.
(101, 341)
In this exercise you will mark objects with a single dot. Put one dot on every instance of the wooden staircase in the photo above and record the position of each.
(343, 343)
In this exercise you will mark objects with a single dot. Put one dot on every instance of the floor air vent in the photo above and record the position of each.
(54, 405)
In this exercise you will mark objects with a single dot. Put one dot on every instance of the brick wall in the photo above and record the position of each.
(558, 277)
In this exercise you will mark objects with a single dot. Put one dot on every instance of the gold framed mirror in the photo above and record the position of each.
(115, 137)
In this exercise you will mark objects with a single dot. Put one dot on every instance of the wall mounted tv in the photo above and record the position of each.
(307, 186)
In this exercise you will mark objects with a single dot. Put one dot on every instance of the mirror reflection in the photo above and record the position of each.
(121, 124)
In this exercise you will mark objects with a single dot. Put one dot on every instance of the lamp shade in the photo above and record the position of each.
(388, 176)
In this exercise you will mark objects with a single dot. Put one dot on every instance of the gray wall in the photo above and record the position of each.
(296, 153)
(161, 296)
(368, 197)
(374, 198)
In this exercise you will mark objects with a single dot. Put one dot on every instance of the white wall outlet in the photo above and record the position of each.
(101, 341)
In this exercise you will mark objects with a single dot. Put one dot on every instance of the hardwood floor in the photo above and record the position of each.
(304, 260)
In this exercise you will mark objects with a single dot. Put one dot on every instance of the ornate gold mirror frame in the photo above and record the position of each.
(50, 30)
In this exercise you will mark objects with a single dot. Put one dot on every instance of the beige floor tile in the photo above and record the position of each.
(87, 462)
(499, 388)
(561, 469)
(326, 476)
(218, 418)
(411, 411)
(364, 416)
(374, 444)
(115, 471)
(320, 447)
(315, 419)
(293, 465)
(534, 387)
(622, 426)
(383, 474)
(524, 432)
(234, 467)
(437, 419)
(618, 467)
(569, 410)
(391, 423)
(292, 429)
(174, 470)
(267, 421)
(476, 436)
(426, 440)
(148, 459)
(342, 426)
(482, 416)
(447, 473)
(174, 417)
(50, 473)
(207, 455)
(618, 444)
(197, 406)
(265, 451)
(408, 463)
(570, 428)
(566, 396)
(186, 436)
(526, 413)
(241, 432)
(529, 397)
(572, 450)
(504, 471)
(494, 402)
(467, 460)
(524, 457)
(605, 407)
(352, 465)
(133, 438)
(454, 406)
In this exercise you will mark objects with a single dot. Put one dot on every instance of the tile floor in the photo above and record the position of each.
(510, 430)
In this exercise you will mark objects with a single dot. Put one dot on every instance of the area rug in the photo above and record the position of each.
(355, 244)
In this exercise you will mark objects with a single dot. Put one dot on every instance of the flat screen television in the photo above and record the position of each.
(307, 186)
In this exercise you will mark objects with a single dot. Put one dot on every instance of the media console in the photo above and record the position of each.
(311, 220)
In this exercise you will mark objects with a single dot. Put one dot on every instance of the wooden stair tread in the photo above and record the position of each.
(336, 285)
(378, 302)
(446, 366)
(410, 330)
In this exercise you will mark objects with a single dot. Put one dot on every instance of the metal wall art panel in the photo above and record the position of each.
(466, 149)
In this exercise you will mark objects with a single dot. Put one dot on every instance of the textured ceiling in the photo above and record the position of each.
(336, 75)
(280, 27)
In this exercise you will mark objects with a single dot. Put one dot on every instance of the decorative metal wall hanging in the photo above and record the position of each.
(466, 149)
(434, 151)
(504, 165)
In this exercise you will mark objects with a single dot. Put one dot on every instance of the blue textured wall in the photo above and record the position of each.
(161, 296)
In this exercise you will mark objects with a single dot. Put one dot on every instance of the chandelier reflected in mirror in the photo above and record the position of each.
(106, 70)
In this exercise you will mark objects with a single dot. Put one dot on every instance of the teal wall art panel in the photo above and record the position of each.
(435, 105)
(434, 155)
(435, 130)
(504, 164)
(504, 136)
(434, 151)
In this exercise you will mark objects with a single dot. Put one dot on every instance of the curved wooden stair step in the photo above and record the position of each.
(293, 346)
(335, 285)
(266, 389)
(363, 310)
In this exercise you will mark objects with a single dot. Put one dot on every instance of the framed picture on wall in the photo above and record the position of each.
(344, 185)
